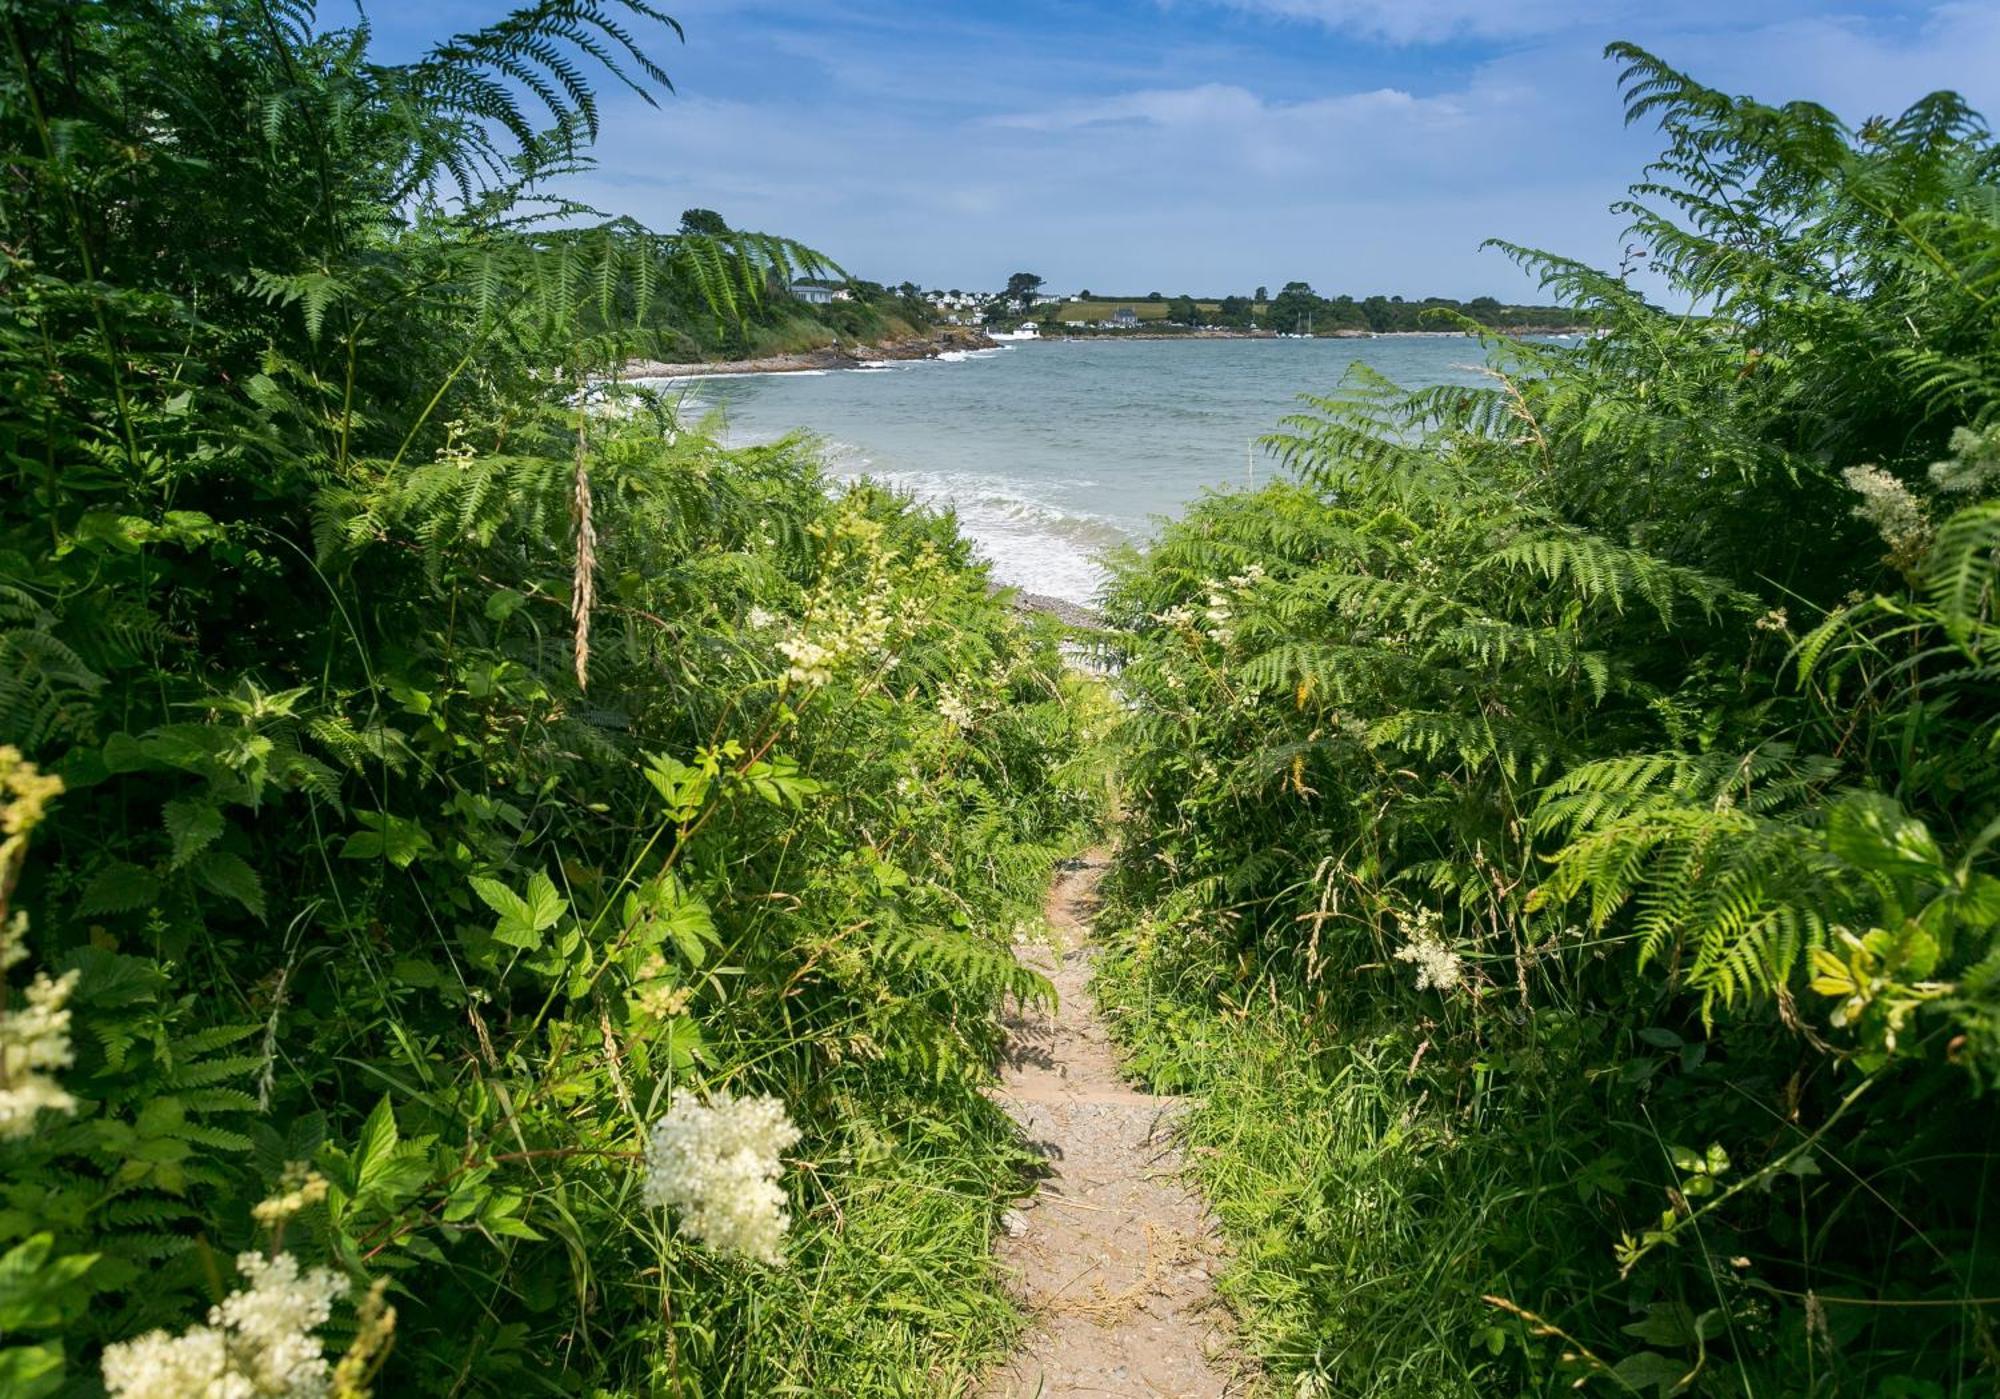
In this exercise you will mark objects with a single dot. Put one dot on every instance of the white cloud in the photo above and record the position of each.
(1128, 176)
(1434, 21)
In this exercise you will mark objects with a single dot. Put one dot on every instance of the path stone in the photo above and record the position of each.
(1114, 1256)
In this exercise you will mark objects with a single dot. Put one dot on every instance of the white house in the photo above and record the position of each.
(815, 296)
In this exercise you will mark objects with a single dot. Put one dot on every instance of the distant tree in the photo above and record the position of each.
(1292, 307)
(1083, 295)
(1234, 312)
(1155, 296)
(956, 292)
(1263, 295)
(705, 222)
(1022, 288)
(1183, 310)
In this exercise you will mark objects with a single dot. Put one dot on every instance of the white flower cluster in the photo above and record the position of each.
(717, 1164)
(300, 1189)
(259, 1341)
(840, 633)
(957, 711)
(1213, 619)
(761, 618)
(34, 1037)
(1975, 463)
(1438, 967)
(1898, 516)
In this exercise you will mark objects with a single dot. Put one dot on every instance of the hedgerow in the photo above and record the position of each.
(1562, 816)
(439, 775)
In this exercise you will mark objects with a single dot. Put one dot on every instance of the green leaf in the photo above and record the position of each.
(684, 788)
(31, 1372)
(780, 782)
(375, 1153)
(1874, 833)
(522, 920)
(30, 1282)
(385, 837)
(193, 826)
(1650, 1370)
(119, 887)
(229, 875)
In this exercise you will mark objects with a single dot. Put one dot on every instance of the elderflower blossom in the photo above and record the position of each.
(258, 1341)
(761, 618)
(717, 1164)
(1438, 967)
(1898, 516)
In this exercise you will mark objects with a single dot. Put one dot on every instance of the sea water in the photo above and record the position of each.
(1052, 452)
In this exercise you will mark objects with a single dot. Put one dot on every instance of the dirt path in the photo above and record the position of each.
(1113, 1255)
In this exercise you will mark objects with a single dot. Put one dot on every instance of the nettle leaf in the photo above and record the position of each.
(231, 876)
(120, 887)
(193, 826)
(522, 920)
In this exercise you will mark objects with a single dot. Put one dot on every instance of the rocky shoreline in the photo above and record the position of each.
(940, 341)
(1072, 614)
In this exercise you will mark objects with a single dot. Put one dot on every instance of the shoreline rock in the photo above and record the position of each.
(1072, 614)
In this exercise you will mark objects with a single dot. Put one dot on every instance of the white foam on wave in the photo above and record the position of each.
(1032, 543)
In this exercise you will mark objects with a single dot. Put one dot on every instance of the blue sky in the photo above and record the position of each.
(1207, 145)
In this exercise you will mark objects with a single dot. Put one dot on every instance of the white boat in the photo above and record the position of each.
(1030, 331)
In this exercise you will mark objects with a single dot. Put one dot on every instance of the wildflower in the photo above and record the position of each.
(34, 1038)
(299, 1189)
(955, 710)
(1898, 516)
(760, 618)
(717, 1164)
(811, 663)
(374, 1331)
(1974, 464)
(1774, 620)
(1438, 967)
(258, 1341)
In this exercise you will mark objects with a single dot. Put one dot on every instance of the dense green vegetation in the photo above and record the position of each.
(454, 772)
(1561, 846)
(1298, 308)
(777, 321)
